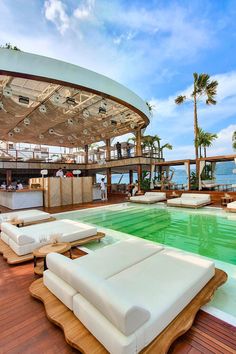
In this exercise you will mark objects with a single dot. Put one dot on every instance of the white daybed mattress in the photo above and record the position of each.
(149, 198)
(25, 216)
(190, 199)
(25, 239)
(125, 305)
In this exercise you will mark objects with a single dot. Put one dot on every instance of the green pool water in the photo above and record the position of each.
(203, 232)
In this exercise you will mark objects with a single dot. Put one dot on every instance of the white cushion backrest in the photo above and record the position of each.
(120, 311)
(195, 195)
(16, 234)
(61, 266)
(155, 194)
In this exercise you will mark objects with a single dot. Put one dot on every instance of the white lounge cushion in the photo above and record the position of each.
(25, 215)
(104, 262)
(125, 314)
(5, 238)
(231, 205)
(22, 250)
(110, 337)
(149, 197)
(174, 201)
(62, 290)
(155, 194)
(164, 294)
(17, 234)
(196, 195)
(68, 229)
(112, 259)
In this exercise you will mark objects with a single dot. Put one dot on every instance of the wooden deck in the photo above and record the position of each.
(119, 198)
(25, 328)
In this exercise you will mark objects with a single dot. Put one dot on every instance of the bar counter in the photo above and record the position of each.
(21, 199)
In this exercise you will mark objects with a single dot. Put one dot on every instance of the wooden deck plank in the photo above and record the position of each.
(25, 328)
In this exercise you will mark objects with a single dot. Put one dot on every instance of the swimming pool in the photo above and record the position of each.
(208, 231)
(205, 232)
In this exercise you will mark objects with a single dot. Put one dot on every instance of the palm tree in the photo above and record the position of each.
(202, 86)
(234, 140)
(152, 142)
(204, 140)
(150, 108)
(165, 146)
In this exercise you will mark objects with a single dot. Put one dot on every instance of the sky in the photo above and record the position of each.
(152, 47)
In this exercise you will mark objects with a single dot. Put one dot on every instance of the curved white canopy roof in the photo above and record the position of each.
(51, 102)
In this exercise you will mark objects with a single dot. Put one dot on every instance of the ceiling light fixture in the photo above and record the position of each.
(23, 100)
(51, 131)
(27, 121)
(10, 134)
(7, 91)
(56, 98)
(103, 107)
(17, 130)
(41, 136)
(85, 131)
(42, 108)
(70, 121)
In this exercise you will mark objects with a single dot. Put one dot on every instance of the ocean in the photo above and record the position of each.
(223, 174)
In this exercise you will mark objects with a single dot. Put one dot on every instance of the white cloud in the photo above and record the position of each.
(55, 11)
(84, 11)
(223, 145)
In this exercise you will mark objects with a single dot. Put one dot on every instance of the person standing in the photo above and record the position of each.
(118, 148)
(69, 174)
(135, 189)
(103, 189)
(60, 173)
(128, 150)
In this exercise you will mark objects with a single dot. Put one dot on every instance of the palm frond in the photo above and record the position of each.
(195, 78)
(180, 99)
(210, 100)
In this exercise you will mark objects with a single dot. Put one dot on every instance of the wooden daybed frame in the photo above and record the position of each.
(12, 258)
(77, 336)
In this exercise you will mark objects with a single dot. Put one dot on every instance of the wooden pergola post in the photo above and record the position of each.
(139, 179)
(130, 176)
(8, 177)
(86, 154)
(189, 184)
(108, 149)
(108, 180)
(138, 143)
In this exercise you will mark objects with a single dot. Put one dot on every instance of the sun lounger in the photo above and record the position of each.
(190, 200)
(25, 239)
(149, 198)
(209, 184)
(124, 294)
(231, 207)
(25, 216)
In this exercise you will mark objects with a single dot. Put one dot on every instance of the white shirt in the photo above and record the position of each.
(59, 173)
(103, 187)
(19, 186)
